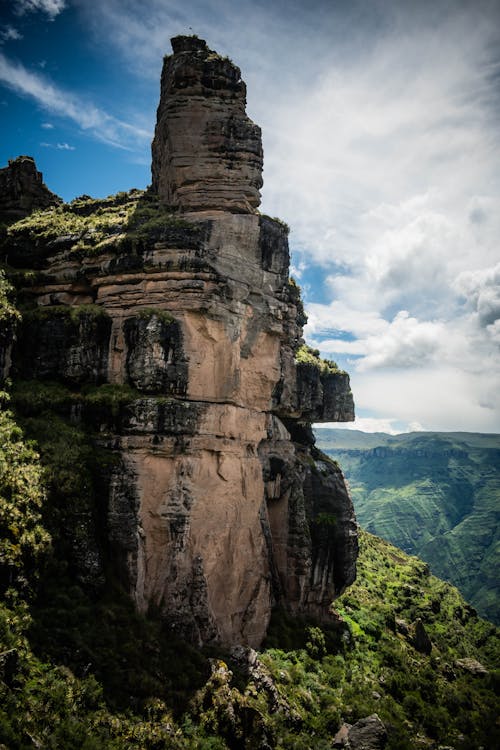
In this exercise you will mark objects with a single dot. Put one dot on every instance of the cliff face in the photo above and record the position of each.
(217, 506)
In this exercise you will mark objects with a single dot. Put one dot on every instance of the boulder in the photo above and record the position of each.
(421, 641)
(368, 733)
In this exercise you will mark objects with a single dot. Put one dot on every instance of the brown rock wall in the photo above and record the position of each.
(197, 517)
(218, 505)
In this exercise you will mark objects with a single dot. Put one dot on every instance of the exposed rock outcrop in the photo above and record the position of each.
(22, 190)
(206, 152)
(421, 640)
(368, 733)
(218, 505)
(471, 665)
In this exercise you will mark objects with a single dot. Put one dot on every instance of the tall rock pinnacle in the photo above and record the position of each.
(218, 505)
(207, 154)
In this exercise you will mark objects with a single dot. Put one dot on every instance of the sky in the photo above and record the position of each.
(381, 136)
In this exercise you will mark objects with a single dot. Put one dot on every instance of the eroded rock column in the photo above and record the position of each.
(207, 154)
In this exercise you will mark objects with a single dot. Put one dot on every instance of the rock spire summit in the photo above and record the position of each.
(206, 153)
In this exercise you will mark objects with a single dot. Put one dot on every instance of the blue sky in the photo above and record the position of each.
(381, 150)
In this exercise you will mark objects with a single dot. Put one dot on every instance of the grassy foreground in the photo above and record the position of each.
(82, 670)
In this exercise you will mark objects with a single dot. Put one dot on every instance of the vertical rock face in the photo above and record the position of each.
(206, 152)
(219, 505)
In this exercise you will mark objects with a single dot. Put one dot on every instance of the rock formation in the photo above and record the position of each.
(368, 733)
(206, 152)
(22, 190)
(217, 505)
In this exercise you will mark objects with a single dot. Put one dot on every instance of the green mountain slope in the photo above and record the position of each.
(436, 495)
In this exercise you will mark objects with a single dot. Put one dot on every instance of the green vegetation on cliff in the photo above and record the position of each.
(23, 540)
(436, 495)
(80, 669)
(306, 355)
(89, 226)
(8, 311)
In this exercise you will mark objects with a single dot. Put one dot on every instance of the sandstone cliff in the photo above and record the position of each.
(170, 325)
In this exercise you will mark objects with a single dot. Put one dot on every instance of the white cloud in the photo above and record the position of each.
(56, 100)
(47, 126)
(58, 146)
(9, 34)
(440, 397)
(51, 8)
(494, 332)
(403, 342)
(482, 291)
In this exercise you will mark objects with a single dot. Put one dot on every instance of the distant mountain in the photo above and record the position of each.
(433, 494)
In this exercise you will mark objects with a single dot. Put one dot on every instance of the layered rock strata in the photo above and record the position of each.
(218, 507)
(206, 152)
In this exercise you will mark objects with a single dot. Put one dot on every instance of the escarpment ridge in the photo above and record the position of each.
(164, 324)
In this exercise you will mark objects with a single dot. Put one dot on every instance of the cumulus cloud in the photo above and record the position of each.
(440, 397)
(403, 342)
(481, 288)
(51, 8)
(54, 99)
(493, 331)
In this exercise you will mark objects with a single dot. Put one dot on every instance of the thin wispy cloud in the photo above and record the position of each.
(9, 33)
(51, 8)
(91, 119)
(370, 424)
(47, 126)
(58, 146)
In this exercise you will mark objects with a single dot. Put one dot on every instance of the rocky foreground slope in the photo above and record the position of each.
(164, 324)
